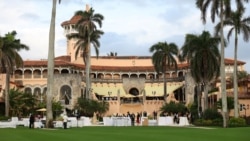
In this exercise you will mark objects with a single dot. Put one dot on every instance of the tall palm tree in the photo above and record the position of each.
(87, 29)
(221, 8)
(164, 56)
(10, 59)
(203, 54)
(238, 25)
(82, 44)
(51, 56)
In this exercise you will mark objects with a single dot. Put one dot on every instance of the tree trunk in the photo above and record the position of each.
(205, 96)
(7, 89)
(164, 80)
(87, 69)
(222, 71)
(165, 86)
(199, 93)
(50, 78)
(236, 109)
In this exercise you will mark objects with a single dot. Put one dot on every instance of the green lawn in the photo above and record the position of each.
(137, 133)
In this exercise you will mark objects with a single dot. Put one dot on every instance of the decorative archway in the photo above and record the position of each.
(65, 94)
(134, 91)
(28, 90)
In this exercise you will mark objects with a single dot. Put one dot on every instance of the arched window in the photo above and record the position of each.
(28, 90)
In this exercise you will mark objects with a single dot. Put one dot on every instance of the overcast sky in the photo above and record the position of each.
(130, 26)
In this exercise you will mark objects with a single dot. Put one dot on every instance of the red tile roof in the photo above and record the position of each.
(44, 63)
(73, 20)
(64, 58)
(231, 62)
(65, 61)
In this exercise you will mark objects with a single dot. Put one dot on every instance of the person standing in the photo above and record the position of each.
(155, 115)
(32, 120)
(138, 118)
(65, 120)
(132, 117)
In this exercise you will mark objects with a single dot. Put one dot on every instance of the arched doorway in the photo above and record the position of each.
(65, 94)
(135, 93)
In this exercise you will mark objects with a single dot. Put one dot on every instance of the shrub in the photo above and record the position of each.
(208, 122)
(198, 122)
(248, 120)
(173, 107)
(4, 118)
(194, 112)
(203, 122)
(212, 114)
(237, 122)
(218, 122)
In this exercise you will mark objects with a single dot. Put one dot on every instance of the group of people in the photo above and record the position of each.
(32, 121)
(33, 118)
(135, 118)
(132, 118)
(176, 116)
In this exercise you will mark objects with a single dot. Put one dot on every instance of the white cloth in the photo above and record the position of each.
(183, 121)
(166, 121)
(116, 121)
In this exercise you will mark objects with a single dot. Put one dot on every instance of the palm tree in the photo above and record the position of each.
(51, 56)
(203, 54)
(164, 57)
(89, 34)
(82, 44)
(222, 8)
(112, 54)
(20, 103)
(88, 107)
(238, 25)
(10, 59)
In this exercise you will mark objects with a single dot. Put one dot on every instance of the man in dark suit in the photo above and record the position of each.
(32, 120)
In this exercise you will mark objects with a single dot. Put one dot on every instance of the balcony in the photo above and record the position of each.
(100, 80)
(241, 95)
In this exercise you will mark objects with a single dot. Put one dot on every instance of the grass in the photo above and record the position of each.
(137, 133)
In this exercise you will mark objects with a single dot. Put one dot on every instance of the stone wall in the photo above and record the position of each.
(71, 81)
(138, 83)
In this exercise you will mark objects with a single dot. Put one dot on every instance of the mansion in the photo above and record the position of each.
(127, 83)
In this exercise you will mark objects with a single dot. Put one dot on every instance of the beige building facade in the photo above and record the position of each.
(128, 83)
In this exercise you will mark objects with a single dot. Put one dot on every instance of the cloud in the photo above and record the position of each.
(130, 26)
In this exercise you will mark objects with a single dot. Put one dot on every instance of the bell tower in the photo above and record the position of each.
(69, 30)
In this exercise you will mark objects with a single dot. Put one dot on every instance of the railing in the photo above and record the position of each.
(105, 80)
(70, 31)
(241, 95)
(176, 79)
(245, 96)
